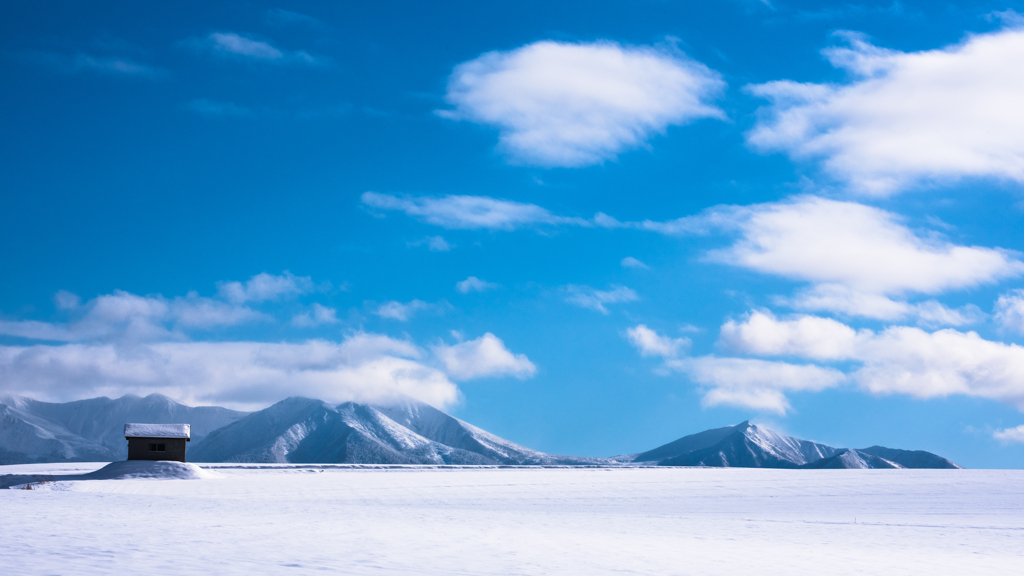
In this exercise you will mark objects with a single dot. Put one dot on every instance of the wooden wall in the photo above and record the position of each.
(174, 449)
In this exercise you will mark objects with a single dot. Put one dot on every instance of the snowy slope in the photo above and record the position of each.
(851, 460)
(439, 427)
(25, 438)
(909, 458)
(92, 430)
(686, 444)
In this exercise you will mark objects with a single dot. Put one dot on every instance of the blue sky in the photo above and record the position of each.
(590, 228)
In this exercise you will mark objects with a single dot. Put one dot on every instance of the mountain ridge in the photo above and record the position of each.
(747, 445)
(306, 430)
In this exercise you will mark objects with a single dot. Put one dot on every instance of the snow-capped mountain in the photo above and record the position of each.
(304, 430)
(747, 445)
(312, 431)
(92, 430)
(25, 439)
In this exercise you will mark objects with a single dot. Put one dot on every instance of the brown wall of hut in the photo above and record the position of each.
(138, 449)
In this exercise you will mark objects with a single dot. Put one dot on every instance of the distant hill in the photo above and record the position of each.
(747, 445)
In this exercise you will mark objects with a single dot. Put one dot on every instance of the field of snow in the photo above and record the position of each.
(294, 520)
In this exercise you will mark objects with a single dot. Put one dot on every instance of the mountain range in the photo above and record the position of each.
(92, 430)
(304, 430)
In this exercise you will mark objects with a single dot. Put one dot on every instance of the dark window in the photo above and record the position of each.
(157, 447)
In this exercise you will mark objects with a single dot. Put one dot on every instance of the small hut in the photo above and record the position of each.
(157, 441)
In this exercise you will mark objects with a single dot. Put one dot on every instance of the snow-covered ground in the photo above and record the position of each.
(293, 520)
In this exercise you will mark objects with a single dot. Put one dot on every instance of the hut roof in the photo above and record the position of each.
(157, 431)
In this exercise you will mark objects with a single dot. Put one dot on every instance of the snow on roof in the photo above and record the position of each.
(157, 431)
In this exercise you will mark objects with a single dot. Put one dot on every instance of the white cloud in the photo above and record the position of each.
(650, 343)
(630, 262)
(81, 62)
(232, 44)
(124, 316)
(743, 382)
(933, 314)
(247, 375)
(237, 44)
(317, 315)
(925, 365)
(484, 357)
(857, 246)
(849, 302)
(755, 384)
(1010, 435)
(905, 117)
(469, 212)
(1009, 311)
(194, 311)
(899, 359)
(263, 287)
(474, 284)
(761, 333)
(594, 299)
(564, 104)
(402, 312)
(859, 260)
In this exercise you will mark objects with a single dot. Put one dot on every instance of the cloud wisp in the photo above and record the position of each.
(243, 47)
(631, 262)
(474, 284)
(469, 212)
(560, 104)
(318, 315)
(404, 311)
(905, 118)
(594, 299)
(650, 343)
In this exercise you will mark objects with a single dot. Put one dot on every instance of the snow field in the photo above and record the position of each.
(519, 521)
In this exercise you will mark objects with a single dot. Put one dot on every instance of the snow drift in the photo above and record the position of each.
(126, 470)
